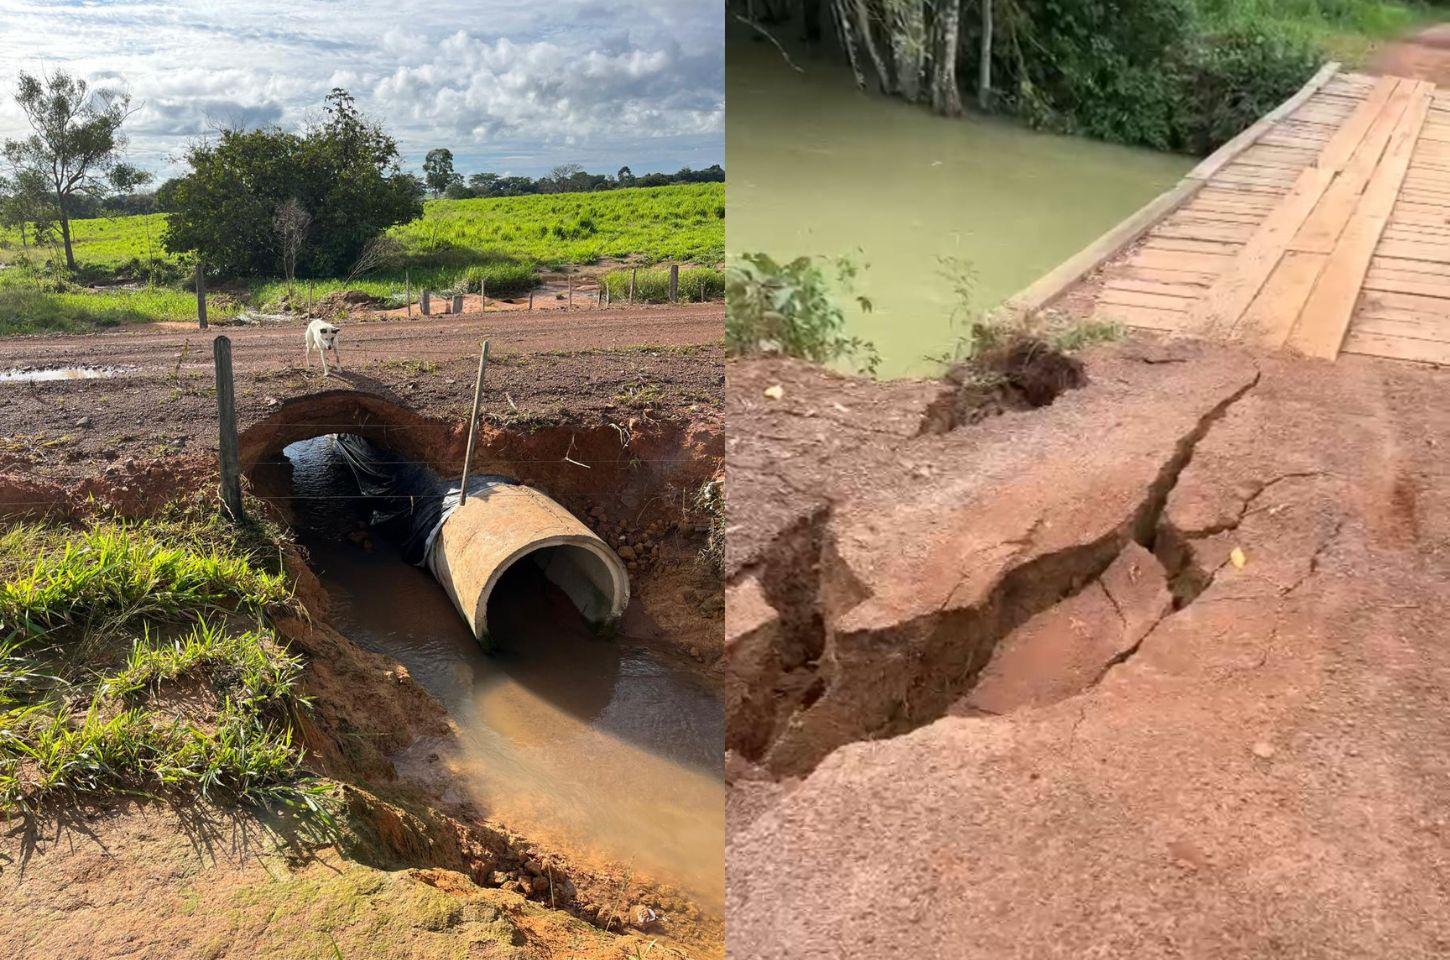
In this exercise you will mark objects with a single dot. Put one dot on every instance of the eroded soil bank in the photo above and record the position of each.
(422, 869)
(1157, 670)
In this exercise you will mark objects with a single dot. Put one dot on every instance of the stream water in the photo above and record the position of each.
(817, 167)
(606, 748)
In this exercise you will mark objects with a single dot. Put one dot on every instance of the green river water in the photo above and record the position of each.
(817, 167)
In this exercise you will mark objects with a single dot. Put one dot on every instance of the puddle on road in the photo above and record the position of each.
(56, 373)
(601, 747)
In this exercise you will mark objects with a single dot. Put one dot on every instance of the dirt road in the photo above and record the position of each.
(1424, 55)
(1156, 671)
(279, 346)
(62, 439)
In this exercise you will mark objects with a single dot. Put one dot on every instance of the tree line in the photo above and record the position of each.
(443, 181)
(1170, 74)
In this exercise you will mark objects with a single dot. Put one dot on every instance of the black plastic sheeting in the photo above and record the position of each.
(409, 501)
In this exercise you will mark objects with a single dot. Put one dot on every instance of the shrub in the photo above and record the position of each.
(791, 309)
(1239, 74)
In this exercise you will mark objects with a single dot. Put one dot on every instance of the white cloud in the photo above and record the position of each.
(499, 82)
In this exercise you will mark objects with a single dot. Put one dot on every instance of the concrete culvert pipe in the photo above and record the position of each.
(469, 548)
(502, 524)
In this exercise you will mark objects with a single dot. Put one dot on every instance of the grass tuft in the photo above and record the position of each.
(138, 658)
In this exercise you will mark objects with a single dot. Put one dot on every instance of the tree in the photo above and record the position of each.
(946, 97)
(75, 142)
(26, 205)
(560, 178)
(984, 59)
(291, 222)
(625, 177)
(438, 170)
(343, 170)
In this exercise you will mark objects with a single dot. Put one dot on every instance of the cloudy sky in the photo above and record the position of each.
(509, 86)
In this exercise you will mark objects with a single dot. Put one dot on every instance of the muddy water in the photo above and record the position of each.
(56, 373)
(817, 167)
(599, 745)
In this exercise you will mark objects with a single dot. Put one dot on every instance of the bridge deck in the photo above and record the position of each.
(1326, 229)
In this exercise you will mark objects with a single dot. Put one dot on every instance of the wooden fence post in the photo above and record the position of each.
(674, 281)
(483, 293)
(632, 272)
(570, 304)
(457, 306)
(531, 299)
(425, 302)
(408, 291)
(200, 295)
(473, 425)
(226, 407)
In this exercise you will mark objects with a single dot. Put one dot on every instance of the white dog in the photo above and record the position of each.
(321, 335)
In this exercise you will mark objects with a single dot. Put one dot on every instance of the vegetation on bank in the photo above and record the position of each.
(793, 310)
(139, 659)
(1182, 75)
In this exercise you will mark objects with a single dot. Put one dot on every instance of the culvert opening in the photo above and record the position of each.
(579, 571)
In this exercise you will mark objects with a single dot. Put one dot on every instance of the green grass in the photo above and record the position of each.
(29, 309)
(683, 222)
(139, 659)
(451, 248)
(653, 285)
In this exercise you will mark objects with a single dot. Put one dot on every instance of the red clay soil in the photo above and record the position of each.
(1423, 56)
(967, 720)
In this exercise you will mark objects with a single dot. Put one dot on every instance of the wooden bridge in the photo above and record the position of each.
(1323, 229)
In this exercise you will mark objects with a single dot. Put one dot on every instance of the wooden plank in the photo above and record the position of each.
(1133, 271)
(1234, 291)
(1397, 348)
(1207, 263)
(1202, 230)
(1161, 287)
(1268, 320)
(1409, 250)
(1331, 215)
(1145, 317)
(1423, 267)
(1420, 329)
(1386, 303)
(1133, 298)
(1325, 318)
(1425, 286)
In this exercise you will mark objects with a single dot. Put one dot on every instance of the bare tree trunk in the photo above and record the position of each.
(946, 99)
(908, 47)
(984, 69)
(863, 27)
(843, 28)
